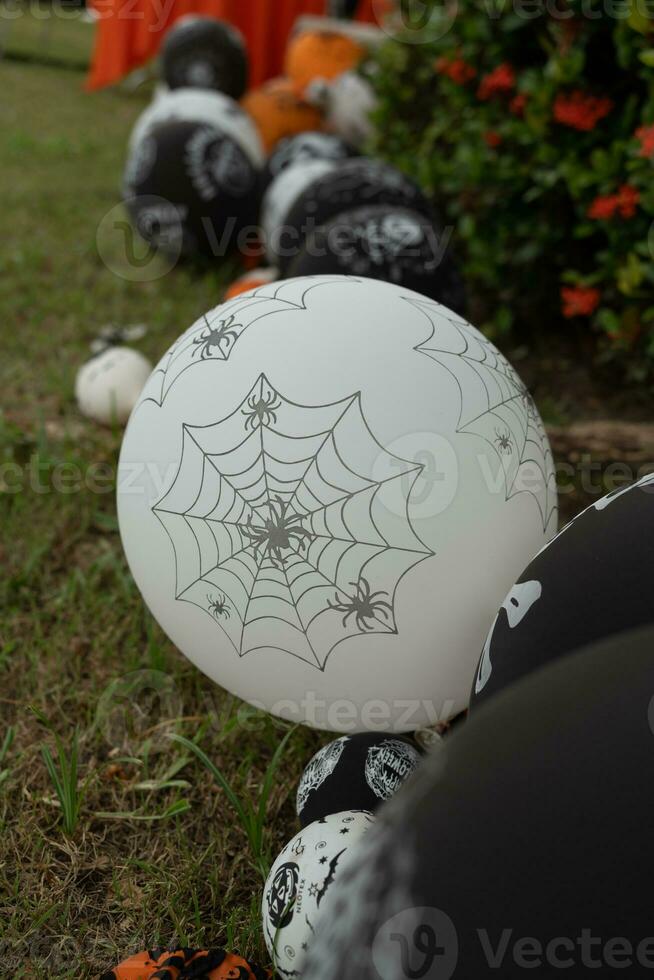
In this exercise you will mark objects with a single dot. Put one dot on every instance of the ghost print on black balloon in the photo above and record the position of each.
(303, 493)
(593, 580)
(516, 606)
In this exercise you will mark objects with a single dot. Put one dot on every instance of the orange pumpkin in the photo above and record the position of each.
(278, 112)
(320, 54)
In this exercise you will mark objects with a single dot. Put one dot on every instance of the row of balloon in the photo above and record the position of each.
(203, 161)
(330, 486)
(205, 172)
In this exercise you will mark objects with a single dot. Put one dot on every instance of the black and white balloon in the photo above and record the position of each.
(202, 52)
(190, 188)
(312, 145)
(522, 844)
(278, 200)
(299, 882)
(354, 772)
(380, 242)
(595, 579)
(201, 106)
(354, 183)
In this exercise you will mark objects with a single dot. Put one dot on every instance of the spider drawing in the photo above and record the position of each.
(218, 606)
(278, 533)
(503, 442)
(219, 337)
(363, 605)
(262, 410)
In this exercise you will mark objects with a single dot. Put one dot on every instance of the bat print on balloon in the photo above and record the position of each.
(279, 535)
(214, 336)
(495, 405)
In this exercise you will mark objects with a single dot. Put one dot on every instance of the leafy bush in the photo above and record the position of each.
(532, 124)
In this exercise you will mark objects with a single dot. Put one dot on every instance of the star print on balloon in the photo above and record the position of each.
(274, 525)
(214, 336)
(495, 405)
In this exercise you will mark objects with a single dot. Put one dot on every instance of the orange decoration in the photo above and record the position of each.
(177, 964)
(258, 277)
(320, 54)
(130, 32)
(278, 112)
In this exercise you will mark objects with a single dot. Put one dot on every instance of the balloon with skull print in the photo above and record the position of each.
(311, 489)
(591, 582)
(354, 772)
(381, 242)
(342, 187)
(299, 882)
(190, 188)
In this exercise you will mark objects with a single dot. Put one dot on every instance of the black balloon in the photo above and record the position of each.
(202, 52)
(190, 189)
(354, 772)
(382, 242)
(596, 578)
(354, 182)
(521, 846)
(312, 145)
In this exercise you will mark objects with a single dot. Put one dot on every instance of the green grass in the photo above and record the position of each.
(155, 853)
(47, 32)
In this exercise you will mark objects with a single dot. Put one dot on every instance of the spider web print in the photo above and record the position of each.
(495, 405)
(215, 335)
(276, 533)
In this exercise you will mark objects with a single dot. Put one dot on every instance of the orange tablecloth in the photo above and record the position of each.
(129, 32)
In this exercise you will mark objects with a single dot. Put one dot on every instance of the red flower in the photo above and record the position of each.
(499, 81)
(624, 203)
(603, 208)
(580, 111)
(456, 69)
(646, 136)
(579, 300)
(518, 103)
(492, 138)
(627, 198)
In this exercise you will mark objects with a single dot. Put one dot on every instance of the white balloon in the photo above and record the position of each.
(300, 880)
(280, 197)
(326, 490)
(201, 105)
(108, 386)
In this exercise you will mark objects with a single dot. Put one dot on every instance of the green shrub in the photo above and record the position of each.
(534, 131)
